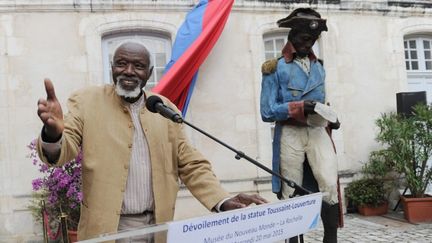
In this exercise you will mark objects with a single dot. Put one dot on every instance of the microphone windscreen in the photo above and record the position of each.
(151, 103)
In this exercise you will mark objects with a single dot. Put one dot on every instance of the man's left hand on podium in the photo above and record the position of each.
(242, 200)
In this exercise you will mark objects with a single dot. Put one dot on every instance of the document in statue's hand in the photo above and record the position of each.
(323, 115)
(326, 112)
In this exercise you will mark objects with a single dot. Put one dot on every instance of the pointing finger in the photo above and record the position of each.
(49, 88)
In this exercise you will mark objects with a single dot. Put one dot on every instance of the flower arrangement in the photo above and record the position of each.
(59, 187)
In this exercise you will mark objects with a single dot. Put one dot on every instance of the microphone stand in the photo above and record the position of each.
(155, 104)
(298, 190)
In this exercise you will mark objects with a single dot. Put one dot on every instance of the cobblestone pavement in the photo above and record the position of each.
(389, 228)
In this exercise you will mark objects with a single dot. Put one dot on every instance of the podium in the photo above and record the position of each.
(262, 223)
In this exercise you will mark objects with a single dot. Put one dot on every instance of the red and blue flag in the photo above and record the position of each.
(195, 39)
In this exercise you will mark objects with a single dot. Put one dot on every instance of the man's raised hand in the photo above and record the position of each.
(51, 114)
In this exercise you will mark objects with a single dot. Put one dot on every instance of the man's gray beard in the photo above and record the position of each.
(127, 93)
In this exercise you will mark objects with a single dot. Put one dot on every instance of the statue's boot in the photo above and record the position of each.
(330, 219)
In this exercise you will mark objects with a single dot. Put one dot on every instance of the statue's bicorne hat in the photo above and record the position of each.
(304, 19)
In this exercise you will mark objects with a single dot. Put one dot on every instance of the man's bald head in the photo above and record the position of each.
(131, 69)
(133, 47)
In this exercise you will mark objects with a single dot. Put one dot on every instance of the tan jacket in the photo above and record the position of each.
(99, 121)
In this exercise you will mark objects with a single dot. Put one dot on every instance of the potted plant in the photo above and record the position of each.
(408, 147)
(59, 189)
(370, 193)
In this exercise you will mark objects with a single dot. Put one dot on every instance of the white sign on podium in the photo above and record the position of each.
(263, 223)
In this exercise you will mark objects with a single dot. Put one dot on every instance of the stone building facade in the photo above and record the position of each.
(373, 49)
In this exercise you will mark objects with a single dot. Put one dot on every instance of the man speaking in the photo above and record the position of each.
(132, 158)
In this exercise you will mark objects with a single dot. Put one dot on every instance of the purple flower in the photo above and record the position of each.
(43, 168)
(37, 184)
(52, 198)
(71, 191)
(61, 184)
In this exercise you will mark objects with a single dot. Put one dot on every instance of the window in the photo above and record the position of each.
(418, 54)
(418, 63)
(275, 42)
(158, 44)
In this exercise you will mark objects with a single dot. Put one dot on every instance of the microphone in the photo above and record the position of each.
(155, 104)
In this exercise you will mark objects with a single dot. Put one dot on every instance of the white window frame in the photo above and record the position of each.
(282, 35)
(273, 37)
(136, 36)
(420, 51)
(420, 79)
